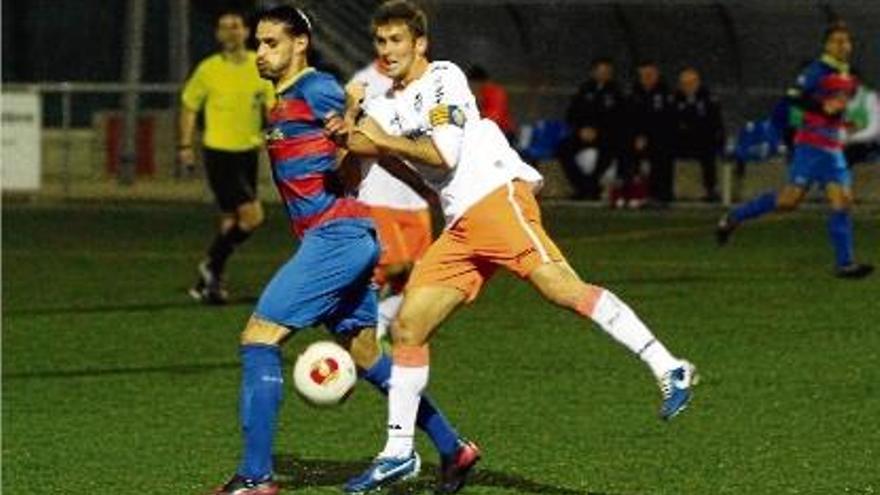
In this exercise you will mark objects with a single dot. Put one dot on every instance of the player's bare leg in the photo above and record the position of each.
(423, 310)
(787, 199)
(840, 230)
(395, 276)
(559, 284)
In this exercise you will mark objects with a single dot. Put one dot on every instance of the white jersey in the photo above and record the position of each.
(440, 105)
(378, 187)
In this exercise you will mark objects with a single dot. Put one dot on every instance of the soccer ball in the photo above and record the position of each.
(324, 374)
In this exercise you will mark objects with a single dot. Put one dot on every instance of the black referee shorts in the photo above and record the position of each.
(232, 176)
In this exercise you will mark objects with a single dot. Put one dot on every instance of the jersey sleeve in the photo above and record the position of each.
(801, 95)
(324, 96)
(379, 109)
(453, 104)
(195, 90)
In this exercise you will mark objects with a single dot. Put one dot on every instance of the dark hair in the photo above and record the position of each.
(405, 11)
(689, 68)
(647, 62)
(835, 27)
(295, 21)
(232, 12)
(477, 73)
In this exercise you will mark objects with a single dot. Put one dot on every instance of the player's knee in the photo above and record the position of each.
(364, 348)
(250, 216)
(259, 331)
(407, 330)
(786, 203)
(840, 201)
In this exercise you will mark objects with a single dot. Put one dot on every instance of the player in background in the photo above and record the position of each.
(227, 87)
(493, 220)
(822, 92)
(402, 215)
(328, 280)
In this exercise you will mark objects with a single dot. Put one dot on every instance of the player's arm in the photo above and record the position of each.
(348, 169)
(408, 176)
(803, 95)
(421, 149)
(191, 100)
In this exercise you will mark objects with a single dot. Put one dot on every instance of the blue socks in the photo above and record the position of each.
(261, 393)
(429, 418)
(758, 206)
(841, 232)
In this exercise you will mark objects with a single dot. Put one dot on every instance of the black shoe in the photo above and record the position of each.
(239, 485)
(455, 469)
(724, 229)
(208, 288)
(854, 270)
(711, 198)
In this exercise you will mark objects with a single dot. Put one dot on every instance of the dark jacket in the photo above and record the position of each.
(651, 114)
(601, 107)
(698, 123)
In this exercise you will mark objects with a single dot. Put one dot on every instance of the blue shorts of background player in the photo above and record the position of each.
(809, 165)
(327, 281)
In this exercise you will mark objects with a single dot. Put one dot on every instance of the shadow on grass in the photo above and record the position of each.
(176, 369)
(296, 474)
(116, 308)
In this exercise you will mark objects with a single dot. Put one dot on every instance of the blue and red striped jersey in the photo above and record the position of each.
(822, 79)
(303, 158)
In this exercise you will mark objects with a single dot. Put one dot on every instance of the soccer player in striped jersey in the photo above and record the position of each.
(822, 93)
(327, 280)
(492, 221)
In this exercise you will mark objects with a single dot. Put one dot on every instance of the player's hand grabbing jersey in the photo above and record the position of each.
(441, 106)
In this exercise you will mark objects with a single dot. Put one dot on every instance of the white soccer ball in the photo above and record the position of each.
(324, 374)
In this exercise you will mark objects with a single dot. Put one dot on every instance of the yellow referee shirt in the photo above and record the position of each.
(234, 99)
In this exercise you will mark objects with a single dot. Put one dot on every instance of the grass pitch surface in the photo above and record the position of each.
(114, 382)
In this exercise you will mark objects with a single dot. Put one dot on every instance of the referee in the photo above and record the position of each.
(227, 87)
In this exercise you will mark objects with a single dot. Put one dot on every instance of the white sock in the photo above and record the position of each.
(406, 385)
(388, 309)
(621, 323)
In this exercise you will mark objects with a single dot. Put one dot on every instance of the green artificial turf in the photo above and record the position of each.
(114, 382)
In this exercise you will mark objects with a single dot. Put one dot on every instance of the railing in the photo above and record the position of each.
(67, 90)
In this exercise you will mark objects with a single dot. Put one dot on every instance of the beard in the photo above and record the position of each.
(269, 73)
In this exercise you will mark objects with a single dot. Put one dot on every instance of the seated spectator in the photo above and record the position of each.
(699, 127)
(652, 121)
(597, 119)
(492, 100)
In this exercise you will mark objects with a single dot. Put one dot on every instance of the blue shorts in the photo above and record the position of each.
(328, 280)
(811, 165)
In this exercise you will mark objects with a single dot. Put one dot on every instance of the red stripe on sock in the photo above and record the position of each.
(411, 356)
(588, 301)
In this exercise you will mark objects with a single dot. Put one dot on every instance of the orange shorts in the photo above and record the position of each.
(404, 235)
(502, 229)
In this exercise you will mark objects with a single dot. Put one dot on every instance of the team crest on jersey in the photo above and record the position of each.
(274, 135)
(447, 115)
